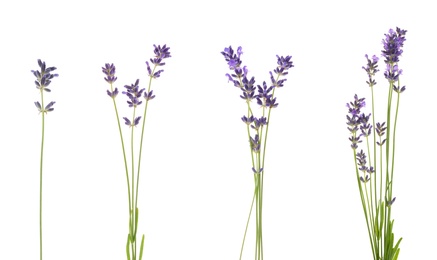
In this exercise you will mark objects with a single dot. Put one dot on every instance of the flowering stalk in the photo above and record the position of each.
(257, 127)
(135, 94)
(377, 193)
(43, 80)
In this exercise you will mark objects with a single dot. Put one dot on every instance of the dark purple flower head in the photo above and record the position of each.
(257, 123)
(393, 43)
(43, 76)
(361, 161)
(248, 90)
(149, 96)
(109, 71)
(284, 64)
(277, 83)
(354, 119)
(112, 94)
(365, 127)
(356, 105)
(371, 69)
(249, 120)
(133, 93)
(161, 53)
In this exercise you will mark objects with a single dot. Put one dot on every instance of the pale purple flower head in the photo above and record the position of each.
(393, 43)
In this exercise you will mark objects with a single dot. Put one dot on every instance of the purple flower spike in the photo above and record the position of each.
(43, 76)
(232, 58)
(127, 121)
(393, 43)
(161, 53)
(371, 69)
(133, 93)
(112, 94)
(109, 71)
(149, 96)
(249, 120)
(284, 64)
(49, 107)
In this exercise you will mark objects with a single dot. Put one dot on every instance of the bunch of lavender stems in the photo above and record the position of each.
(134, 95)
(44, 77)
(257, 127)
(376, 192)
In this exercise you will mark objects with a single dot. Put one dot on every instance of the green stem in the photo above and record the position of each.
(124, 157)
(363, 203)
(247, 223)
(142, 136)
(133, 212)
(40, 176)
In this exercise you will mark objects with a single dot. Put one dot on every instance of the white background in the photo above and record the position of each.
(196, 182)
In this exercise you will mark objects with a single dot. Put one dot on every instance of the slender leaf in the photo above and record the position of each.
(141, 247)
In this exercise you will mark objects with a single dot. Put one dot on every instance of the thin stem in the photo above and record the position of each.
(124, 150)
(133, 212)
(247, 223)
(142, 137)
(40, 176)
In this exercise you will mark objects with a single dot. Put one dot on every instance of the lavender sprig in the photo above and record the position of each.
(265, 97)
(377, 204)
(135, 96)
(44, 77)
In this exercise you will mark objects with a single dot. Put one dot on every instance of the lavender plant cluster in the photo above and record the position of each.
(357, 120)
(264, 95)
(377, 193)
(133, 91)
(135, 97)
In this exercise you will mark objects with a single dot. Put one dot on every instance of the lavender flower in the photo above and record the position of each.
(232, 58)
(43, 80)
(135, 123)
(134, 93)
(371, 69)
(109, 71)
(393, 43)
(248, 120)
(366, 127)
(43, 76)
(161, 53)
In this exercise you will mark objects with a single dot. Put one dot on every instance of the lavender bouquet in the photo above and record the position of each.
(44, 77)
(134, 99)
(257, 127)
(374, 170)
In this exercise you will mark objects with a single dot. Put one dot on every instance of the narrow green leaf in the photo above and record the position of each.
(395, 257)
(141, 247)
